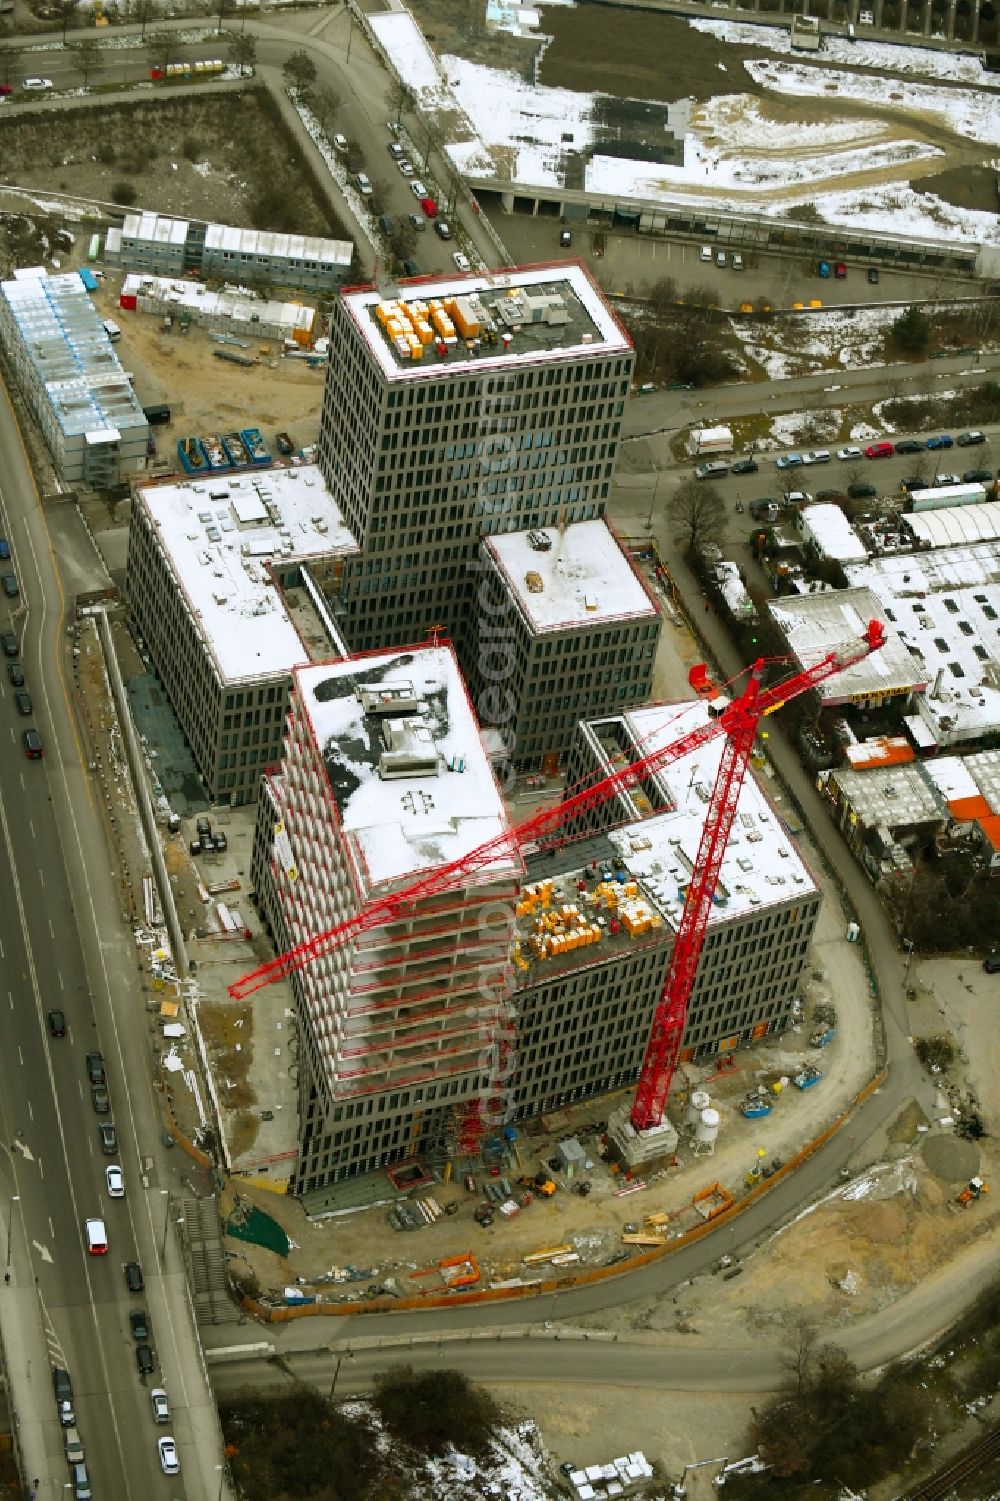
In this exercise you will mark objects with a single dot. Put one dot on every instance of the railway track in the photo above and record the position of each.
(986, 1452)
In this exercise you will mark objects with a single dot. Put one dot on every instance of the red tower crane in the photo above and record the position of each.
(738, 721)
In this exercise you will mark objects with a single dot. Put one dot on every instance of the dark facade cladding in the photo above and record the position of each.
(422, 467)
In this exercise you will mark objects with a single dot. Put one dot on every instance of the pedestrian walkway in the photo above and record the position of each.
(34, 1423)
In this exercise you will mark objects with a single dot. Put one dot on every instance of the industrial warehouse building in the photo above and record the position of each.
(411, 1027)
(226, 577)
(565, 626)
(81, 398)
(163, 246)
(458, 407)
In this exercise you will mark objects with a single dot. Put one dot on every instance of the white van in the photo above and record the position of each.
(97, 1237)
(112, 330)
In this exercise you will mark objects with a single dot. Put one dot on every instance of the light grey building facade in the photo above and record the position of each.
(165, 246)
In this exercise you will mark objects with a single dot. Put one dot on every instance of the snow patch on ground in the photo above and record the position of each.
(863, 432)
(800, 346)
(896, 207)
(808, 429)
(883, 56)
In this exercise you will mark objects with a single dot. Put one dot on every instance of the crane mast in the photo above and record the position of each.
(738, 722)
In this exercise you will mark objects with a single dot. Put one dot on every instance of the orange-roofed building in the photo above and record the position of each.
(964, 809)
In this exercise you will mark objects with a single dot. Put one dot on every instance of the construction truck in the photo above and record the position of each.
(543, 1185)
(973, 1190)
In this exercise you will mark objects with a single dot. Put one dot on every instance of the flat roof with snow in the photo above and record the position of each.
(814, 624)
(944, 605)
(832, 535)
(529, 314)
(219, 534)
(582, 578)
(405, 762)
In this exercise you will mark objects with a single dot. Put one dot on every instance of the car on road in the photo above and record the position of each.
(417, 221)
(946, 479)
(16, 674)
(22, 703)
(169, 1463)
(873, 276)
(881, 450)
(909, 445)
(115, 1179)
(744, 466)
(108, 1138)
(911, 483)
(797, 498)
(846, 454)
(429, 207)
(944, 440)
(829, 494)
(32, 742)
(565, 238)
(134, 1280)
(862, 492)
(340, 142)
(10, 585)
(395, 149)
(145, 1359)
(978, 477)
(417, 188)
(57, 1024)
(816, 456)
(714, 469)
(410, 267)
(80, 1482)
(73, 1446)
(4, 549)
(9, 643)
(158, 1402)
(96, 1237)
(100, 1099)
(443, 229)
(789, 461)
(364, 185)
(462, 262)
(991, 964)
(970, 440)
(139, 1324)
(764, 509)
(95, 1068)
(406, 168)
(36, 85)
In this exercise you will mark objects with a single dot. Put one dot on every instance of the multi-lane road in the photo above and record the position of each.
(63, 946)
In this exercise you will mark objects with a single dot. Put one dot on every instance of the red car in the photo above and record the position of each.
(429, 207)
(880, 451)
(840, 271)
(6, 88)
(32, 742)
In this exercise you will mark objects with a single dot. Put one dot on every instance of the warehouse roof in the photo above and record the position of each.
(813, 624)
(377, 715)
(527, 314)
(945, 607)
(219, 535)
(570, 578)
(956, 524)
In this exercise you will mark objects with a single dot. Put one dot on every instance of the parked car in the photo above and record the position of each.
(705, 253)
(340, 143)
(405, 167)
(970, 477)
(873, 276)
(713, 469)
(417, 188)
(443, 229)
(862, 492)
(970, 440)
(744, 466)
(909, 445)
(429, 207)
(797, 498)
(941, 480)
(880, 450)
(943, 441)
(764, 509)
(846, 454)
(840, 271)
(721, 258)
(911, 483)
(816, 456)
(565, 238)
(417, 221)
(789, 461)
(991, 964)
(395, 150)
(410, 267)
(462, 262)
(364, 185)
(738, 261)
(36, 85)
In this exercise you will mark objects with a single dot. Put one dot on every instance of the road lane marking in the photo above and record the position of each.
(31, 1113)
(20, 1055)
(43, 1250)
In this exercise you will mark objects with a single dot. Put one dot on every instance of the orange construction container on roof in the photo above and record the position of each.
(887, 750)
(965, 809)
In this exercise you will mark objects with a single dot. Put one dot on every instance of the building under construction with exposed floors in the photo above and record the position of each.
(532, 984)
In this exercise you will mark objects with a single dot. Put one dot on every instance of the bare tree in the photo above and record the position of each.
(242, 50)
(399, 97)
(9, 59)
(88, 57)
(697, 514)
(800, 1361)
(300, 72)
(67, 10)
(144, 12)
(325, 104)
(162, 49)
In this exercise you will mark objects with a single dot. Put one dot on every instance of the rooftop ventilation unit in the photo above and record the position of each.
(409, 750)
(388, 698)
(540, 541)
